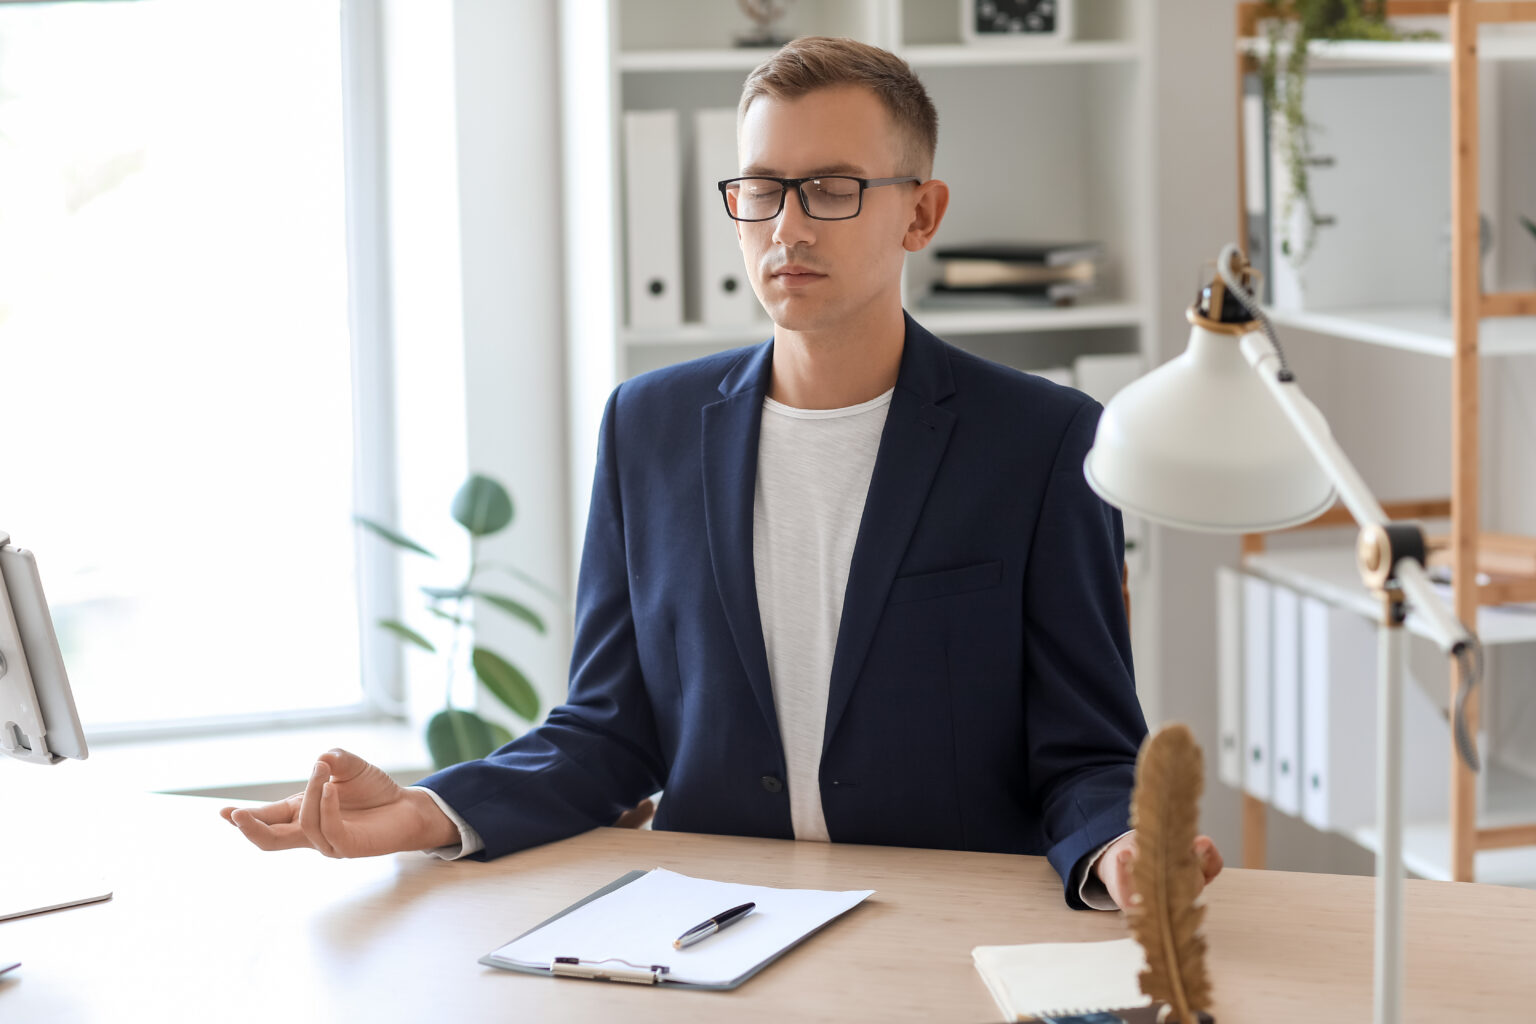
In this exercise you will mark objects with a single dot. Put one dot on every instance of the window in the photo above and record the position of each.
(177, 408)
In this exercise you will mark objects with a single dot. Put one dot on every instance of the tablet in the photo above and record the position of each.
(38, 720)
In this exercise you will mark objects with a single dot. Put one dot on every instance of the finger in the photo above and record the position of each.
(310, 809)
(344, 764)
(1126, 884)
(1211, 862)
(332, 825)
(280, 813)
(264, 836)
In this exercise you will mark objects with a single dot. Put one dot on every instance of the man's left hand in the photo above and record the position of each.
(1114, 867)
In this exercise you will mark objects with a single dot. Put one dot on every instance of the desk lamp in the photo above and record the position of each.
(1222, 439)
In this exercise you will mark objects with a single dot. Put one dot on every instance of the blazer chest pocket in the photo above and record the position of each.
(946, 582)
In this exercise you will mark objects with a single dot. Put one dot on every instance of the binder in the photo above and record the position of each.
(1257, 714)
(785, 917)
(725, 294)
(1338, 674)
(1285, 654)
(1229, 676)
(653, 218)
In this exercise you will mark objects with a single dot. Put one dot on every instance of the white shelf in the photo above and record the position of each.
(943, 322)
(1514, 43)
(1330, 574)
(942, 55)
(700, 334)
(1423, 329)
(934, 55)
(1056, 318)
(1510, 800)
(744, 59)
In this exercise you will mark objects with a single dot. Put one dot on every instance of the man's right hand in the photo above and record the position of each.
(349, 809)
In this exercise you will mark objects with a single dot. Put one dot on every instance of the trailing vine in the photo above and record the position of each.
(1299, 22)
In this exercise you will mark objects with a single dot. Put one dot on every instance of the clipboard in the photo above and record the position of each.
(644, 974)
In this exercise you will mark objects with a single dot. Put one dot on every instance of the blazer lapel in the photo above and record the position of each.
(730, 435)
(916, 434)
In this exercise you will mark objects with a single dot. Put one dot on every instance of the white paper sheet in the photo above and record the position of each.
(638, 923)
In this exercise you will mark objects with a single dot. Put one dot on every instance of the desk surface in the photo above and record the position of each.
(204, 927)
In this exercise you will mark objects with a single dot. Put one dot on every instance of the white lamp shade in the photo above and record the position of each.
(1200, 444)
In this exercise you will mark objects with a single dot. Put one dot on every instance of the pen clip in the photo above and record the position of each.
(598, 970)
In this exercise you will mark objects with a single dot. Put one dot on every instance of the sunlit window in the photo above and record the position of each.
(176, 415)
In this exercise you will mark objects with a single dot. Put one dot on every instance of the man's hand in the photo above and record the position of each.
(349, 809)
(1114, 867)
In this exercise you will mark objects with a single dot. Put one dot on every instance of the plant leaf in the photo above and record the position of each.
(408, 634)
(511, 607)
(482, 506)
(1163, 914)
(444, 593)
(454, 736)
(506, 682)
(1530, 225)
(435, 610)
(397, 539)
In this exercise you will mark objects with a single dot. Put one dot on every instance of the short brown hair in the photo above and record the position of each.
(820, 62)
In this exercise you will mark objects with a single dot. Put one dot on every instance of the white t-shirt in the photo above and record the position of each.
(813, 472)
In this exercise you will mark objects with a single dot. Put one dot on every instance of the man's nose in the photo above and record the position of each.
(794, 226)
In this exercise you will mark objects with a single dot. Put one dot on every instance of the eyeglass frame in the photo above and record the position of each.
(785, 184)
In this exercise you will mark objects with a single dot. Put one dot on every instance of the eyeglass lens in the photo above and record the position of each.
(829, 198)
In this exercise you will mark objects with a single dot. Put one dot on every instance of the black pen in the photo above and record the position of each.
(714, 924)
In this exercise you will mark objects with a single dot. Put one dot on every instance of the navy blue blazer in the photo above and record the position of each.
(981, 694)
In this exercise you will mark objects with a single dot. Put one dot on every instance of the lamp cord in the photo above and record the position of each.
(1245, 297)
(1469, 655)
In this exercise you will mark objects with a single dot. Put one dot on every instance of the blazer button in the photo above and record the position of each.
(772, 783)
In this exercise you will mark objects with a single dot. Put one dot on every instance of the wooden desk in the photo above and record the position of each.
(206, 928)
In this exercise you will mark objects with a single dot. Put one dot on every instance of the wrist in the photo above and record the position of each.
(436, 829)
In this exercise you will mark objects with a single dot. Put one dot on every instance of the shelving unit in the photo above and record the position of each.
(1042, 140)
(1480, 325)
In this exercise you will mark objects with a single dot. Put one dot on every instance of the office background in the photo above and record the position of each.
(466, 184)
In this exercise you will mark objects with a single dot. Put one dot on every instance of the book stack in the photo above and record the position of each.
(1009, 274)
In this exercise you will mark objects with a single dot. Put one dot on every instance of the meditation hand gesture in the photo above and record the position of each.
(349, 809)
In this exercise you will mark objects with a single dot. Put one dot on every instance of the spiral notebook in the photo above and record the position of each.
(1053, 979)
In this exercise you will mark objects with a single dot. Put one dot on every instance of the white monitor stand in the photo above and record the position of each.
(38, 723)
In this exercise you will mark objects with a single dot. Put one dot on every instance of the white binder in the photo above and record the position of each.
(725, 294)
(1257, 716)
(1338, 691)
(1339, 652)
(1229, 676)
(1285, 652)
(653, 218)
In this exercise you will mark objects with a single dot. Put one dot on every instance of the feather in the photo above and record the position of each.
(1163, 915)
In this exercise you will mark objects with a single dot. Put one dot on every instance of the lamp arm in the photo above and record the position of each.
(1378, 532)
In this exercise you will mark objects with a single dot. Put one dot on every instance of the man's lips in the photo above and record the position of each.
(794, 272)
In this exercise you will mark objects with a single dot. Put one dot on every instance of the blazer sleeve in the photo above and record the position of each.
(1084, 723)
(597, 755)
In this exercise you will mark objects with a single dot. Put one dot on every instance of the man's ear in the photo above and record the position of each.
(932, 200)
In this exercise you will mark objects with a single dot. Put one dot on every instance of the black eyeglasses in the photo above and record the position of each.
(824, 197)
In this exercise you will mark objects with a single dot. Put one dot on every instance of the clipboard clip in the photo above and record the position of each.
(598, 970)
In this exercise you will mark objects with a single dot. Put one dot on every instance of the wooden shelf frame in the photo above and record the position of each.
(1469, 306)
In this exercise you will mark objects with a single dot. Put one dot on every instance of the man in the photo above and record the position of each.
(847, 585)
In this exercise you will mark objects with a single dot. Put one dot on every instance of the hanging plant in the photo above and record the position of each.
(1297, 23)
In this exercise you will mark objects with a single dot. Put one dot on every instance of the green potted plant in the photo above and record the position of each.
(483, 508)
(1297, 23)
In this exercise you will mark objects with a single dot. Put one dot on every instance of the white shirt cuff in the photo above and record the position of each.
(1090, 888)
(469, 840)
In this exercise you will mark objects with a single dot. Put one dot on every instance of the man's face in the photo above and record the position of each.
(815, 275)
